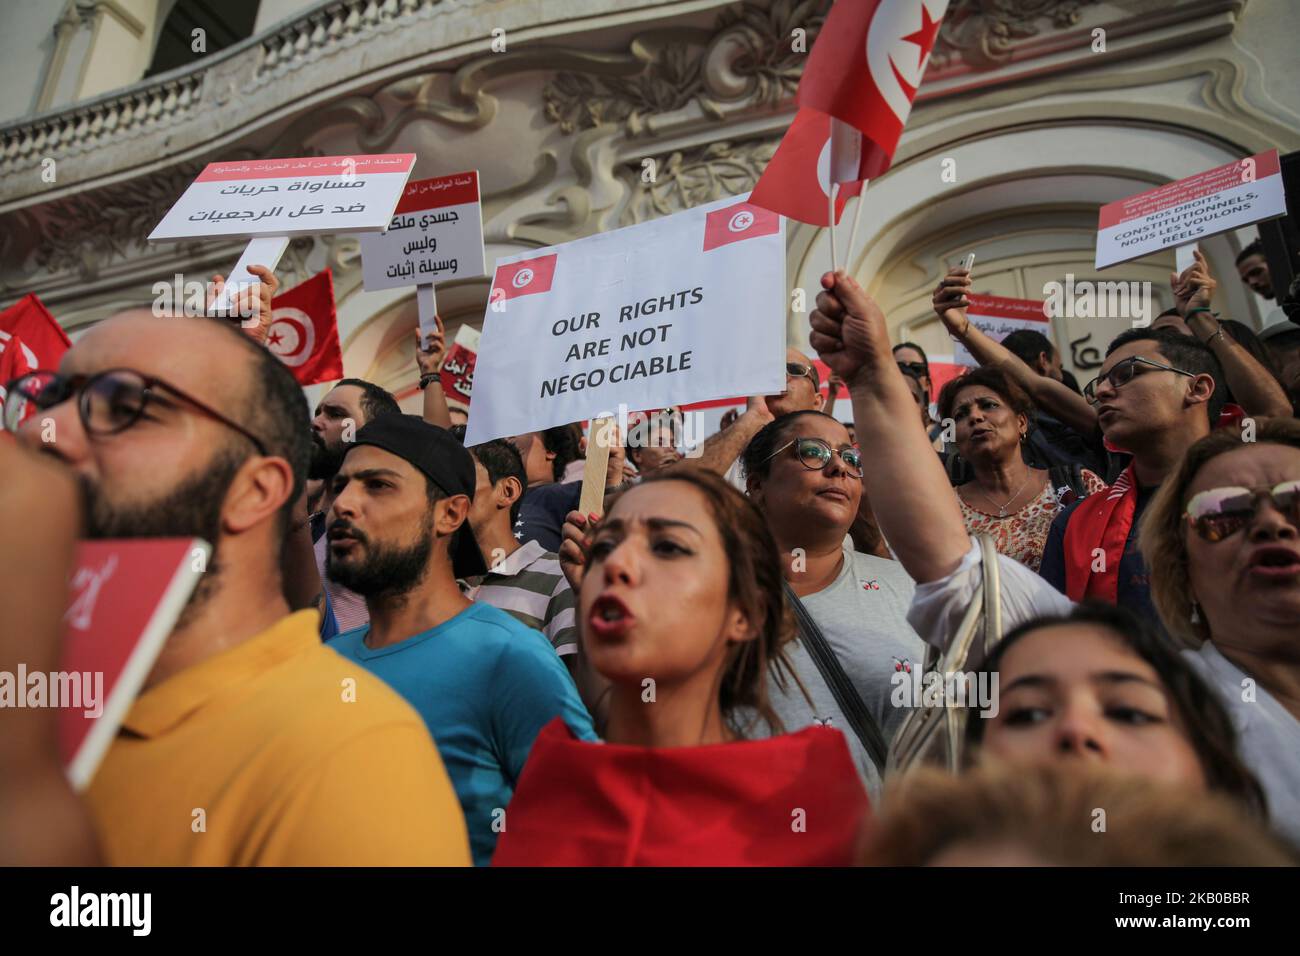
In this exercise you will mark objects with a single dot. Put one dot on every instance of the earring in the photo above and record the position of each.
(1196, 613)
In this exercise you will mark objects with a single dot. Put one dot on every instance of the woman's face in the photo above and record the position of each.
(654, 600)
(987, 428)
(1076, 692)
(794, 496)
(1248, 584)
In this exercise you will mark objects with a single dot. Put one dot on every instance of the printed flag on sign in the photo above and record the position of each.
(742, 221)
(43, 340)
(304, 332)
(524, 278)
(797, 180)
(866, 66)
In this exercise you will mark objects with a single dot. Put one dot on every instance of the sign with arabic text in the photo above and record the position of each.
(436, 234)
(288, 197)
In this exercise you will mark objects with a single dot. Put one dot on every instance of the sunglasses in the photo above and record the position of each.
(1219, 513)
(108, 402)
(915, 369)
(799, 370)
(815, 454)
(1123, 373)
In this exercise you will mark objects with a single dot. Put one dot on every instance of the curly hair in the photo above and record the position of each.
(992, 378)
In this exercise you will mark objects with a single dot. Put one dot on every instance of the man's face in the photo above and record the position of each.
(1254, 272)
(1153, 401)
(167, 474)
(381, 526)
(484, 506)
(911, 356)
(1054, 366)
(335, 424)
(800, 394)
(537, 461)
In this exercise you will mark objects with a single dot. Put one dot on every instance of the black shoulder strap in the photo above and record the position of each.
(846, 695)
(1068, 476)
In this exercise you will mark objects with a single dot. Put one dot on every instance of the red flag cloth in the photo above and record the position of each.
(16, 360)
(43, 337)
(525, 278)
(797, 177)
(1102, 522)
(304, 332)
(866, 66)
(733, 223)
(734, 804)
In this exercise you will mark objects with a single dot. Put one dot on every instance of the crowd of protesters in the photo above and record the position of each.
(707, 669)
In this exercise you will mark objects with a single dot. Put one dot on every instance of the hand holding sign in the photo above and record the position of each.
(252, 304)
(848, 328)
(1194, 288)
(430, 349)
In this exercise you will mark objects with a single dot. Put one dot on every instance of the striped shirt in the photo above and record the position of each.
(530, 586)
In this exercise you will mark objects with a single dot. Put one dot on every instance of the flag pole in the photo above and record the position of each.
(853, 232)
(834, 254)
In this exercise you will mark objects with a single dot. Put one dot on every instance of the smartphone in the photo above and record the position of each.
(968, 262)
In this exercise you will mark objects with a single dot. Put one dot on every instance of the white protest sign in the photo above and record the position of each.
(436, 234)
(685, 308)
(998, 316)
(1218, 200)
(288, 197)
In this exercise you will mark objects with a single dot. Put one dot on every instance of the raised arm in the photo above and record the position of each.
(428, 356)
(1051, 396)
(721, 449)
(1254, 388)
(915, 505)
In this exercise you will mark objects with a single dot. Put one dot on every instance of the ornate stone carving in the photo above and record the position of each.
(984, 33)
(690, 177)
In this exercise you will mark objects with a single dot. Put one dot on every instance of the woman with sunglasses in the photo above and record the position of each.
(1225, 567)
(1006, 499)
(806, 478)
(680, 609)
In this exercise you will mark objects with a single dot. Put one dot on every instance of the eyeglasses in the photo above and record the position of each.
(1219, 513)
(815, 454)
(1122, 373)
(108, 402)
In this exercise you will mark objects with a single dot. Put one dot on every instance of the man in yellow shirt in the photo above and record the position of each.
(251, 743)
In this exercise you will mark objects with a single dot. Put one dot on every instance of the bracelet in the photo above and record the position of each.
(427, 378)
(1217, 333)
(1200, 308)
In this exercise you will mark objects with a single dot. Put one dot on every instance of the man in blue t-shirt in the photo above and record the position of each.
(483, 682)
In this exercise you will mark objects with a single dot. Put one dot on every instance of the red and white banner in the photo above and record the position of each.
(43, 339)
(866, 66)
(289, 197)
(436, 234)
(797, 180)
(304, 332)
(457, 372)
(1181, 213)
(998, 316)
(688, 307)
(126, 596)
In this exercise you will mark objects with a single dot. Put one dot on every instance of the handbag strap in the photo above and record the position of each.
(846, 695)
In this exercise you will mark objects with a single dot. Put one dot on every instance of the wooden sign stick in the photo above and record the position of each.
(593, 473)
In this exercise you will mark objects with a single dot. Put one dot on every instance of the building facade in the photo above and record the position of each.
(586, 115)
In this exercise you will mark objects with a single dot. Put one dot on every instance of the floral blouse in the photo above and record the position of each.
(1022, 535)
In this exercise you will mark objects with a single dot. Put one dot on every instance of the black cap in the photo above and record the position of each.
(443, 460)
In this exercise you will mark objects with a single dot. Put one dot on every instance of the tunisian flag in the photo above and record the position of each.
(797, 180)
(304, 330)
(43, 341)
(866, 66)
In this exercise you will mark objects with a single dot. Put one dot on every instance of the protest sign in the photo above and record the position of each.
(1218, 200)
(436, 234)
(126, 596)
(457, 371)
(684, 308)
(997, 317)
(288, 197)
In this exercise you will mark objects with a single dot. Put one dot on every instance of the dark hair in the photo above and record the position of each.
(1209, 727)
(992, 378)
(913, 345)
(755, 584)
(756, 459)
(563, 441)
(1027, 345)
(1185, 353)
(501, 460)
(375, 401)
(1256, 248)
(275, 410)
